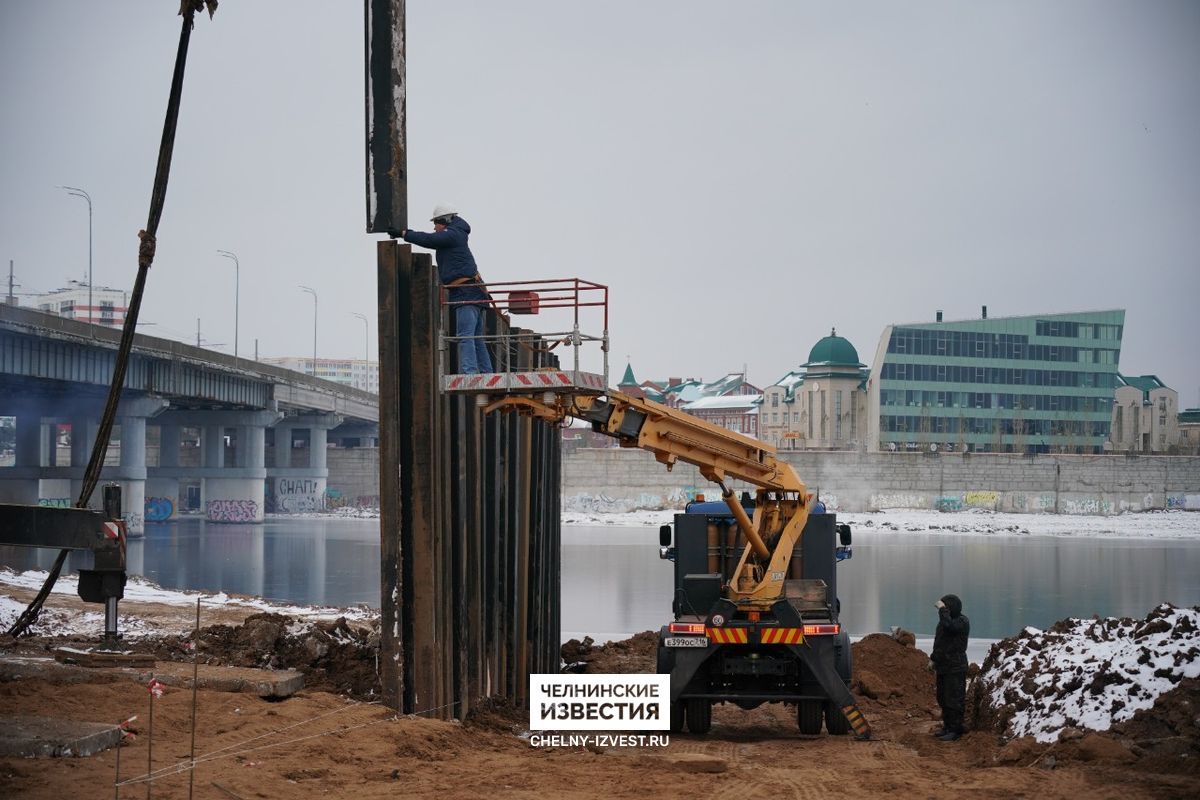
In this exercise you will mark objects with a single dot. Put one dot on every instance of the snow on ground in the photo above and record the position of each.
(1148, 524)
(1090, 673)
(139, 590)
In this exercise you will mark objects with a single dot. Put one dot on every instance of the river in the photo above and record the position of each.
(614, 584)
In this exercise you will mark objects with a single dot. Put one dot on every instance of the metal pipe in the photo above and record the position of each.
(739, 513)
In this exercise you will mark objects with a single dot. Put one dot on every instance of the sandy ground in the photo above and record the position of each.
(321, 744)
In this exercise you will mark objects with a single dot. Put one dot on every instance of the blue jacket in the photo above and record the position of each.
(454, 259)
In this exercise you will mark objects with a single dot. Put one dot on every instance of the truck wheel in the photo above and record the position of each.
(665, 661)
(677, 717)
(699, 715)
(808, 717)
(835, 721)
(843, 664)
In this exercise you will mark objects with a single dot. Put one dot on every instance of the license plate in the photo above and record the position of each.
(685, 641)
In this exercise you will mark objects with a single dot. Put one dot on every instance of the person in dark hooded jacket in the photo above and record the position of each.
(457, 272)
(949, 661)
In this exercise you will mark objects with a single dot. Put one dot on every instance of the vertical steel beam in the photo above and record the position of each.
(391, 639)
(386, 150)
(430, 673)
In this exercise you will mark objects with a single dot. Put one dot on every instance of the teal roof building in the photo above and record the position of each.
(1039, 383)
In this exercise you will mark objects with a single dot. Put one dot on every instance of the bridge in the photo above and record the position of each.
(246, 432)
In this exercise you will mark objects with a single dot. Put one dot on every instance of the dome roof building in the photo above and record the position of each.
(821, 405)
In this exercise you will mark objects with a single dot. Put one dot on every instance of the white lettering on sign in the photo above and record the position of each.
(637, 702)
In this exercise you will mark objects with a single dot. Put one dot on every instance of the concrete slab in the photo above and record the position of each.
(47, 737)
(92, 657)
(261, 682)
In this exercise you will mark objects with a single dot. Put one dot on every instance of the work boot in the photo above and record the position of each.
(939, 732)
(950, 736)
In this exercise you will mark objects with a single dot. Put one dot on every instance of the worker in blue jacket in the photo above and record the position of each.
(949, 661)
(460, 276)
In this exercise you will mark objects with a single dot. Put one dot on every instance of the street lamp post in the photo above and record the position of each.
(236, 292)
(88, 197)
(314, 294)
(366, 349)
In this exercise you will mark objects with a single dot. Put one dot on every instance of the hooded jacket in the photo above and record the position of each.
(454, 259)
(950, 641)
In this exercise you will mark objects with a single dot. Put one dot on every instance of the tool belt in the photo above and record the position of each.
(476, 278)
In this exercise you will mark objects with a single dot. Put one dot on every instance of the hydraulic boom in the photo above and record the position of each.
(782, 502)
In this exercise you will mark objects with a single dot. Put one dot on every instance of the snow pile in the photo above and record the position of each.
(1087, 673)
(1146, 525)
(629, 519)
(66, 622)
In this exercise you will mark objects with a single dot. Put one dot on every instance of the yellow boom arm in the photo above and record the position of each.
(672, 435)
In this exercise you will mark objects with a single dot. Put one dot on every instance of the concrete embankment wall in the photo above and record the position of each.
(353, 477)
(623, 480)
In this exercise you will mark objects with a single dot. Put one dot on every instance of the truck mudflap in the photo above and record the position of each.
(817, 652)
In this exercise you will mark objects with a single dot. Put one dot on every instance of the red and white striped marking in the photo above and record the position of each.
(112, 530)
(541, 380)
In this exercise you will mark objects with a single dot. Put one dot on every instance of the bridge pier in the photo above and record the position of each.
(230, 491)
(301, 488)
(162, 483)
(132, 414)
(21, 483)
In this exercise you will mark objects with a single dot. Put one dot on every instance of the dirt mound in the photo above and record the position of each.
(885, 669)
(499, 715)
(334, 656)
(1085, 674)
(635, 654)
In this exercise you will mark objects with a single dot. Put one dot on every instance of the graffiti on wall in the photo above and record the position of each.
(159, 509)
(1086, 505)
(1184, 502)
(981, 500)
(1032, 503)
(949, 502)
(293, 495)
(232, 511)
(54, 502)
(133, 522)
(883, 501)
(335, 499)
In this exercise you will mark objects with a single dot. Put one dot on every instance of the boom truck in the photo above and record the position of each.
(759, 629)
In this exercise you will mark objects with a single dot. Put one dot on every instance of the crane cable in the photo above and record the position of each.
(146, 247)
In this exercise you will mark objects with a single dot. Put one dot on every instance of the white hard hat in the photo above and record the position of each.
(443, 210)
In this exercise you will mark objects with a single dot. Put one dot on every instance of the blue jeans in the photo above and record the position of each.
(473, 354)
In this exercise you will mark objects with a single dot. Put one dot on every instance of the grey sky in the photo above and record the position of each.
(744, 176)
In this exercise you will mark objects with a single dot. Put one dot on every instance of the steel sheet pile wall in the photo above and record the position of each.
(469, 518)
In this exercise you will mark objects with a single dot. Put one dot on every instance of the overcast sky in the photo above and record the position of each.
(743, 175)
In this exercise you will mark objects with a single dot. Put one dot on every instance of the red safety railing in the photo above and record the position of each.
(529, 298)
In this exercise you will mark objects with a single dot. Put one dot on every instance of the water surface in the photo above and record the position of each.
(614, 584)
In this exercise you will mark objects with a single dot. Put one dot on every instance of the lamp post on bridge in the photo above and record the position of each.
(314, 295)
(81, 193)
(366, 349)
(236, 293)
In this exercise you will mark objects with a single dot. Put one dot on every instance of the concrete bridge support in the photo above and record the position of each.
(162, 483)
(21, 483)
(229, 492)
(131, 474)
(301, 488)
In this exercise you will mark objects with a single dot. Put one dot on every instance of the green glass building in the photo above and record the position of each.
(1036, 384)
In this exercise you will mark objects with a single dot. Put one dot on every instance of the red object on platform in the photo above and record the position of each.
(523, 302)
